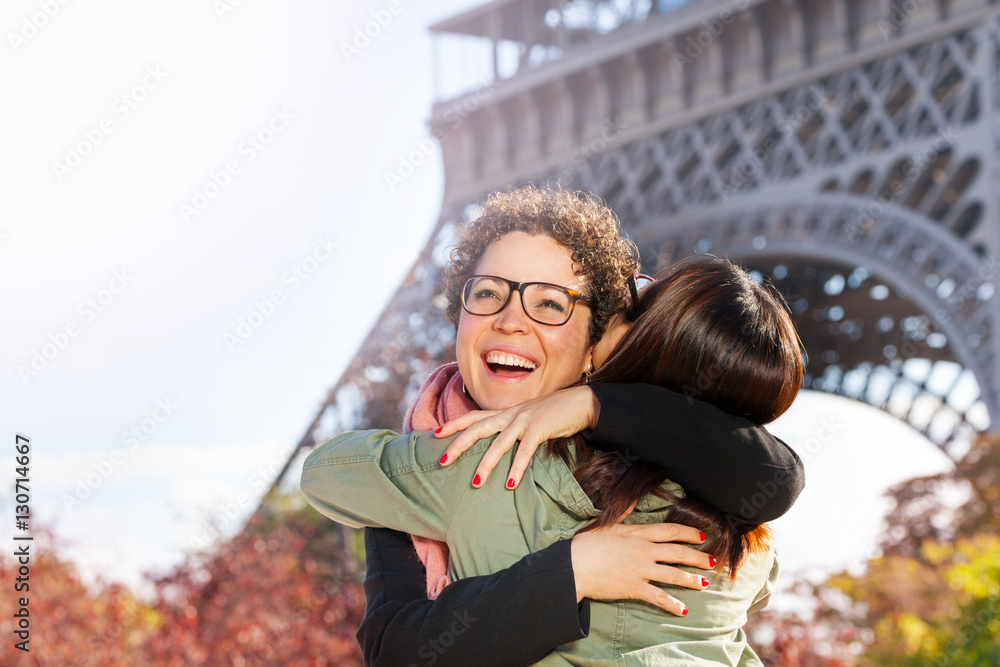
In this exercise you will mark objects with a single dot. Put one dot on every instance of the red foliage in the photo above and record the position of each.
(68, 625)
(789, 640)
(273, 595)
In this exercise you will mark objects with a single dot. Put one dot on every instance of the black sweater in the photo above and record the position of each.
(518, 615)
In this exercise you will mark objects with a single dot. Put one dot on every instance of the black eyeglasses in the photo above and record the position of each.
(636, 282)
(544, 303)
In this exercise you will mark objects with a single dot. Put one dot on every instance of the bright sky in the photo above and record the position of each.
(172, 168)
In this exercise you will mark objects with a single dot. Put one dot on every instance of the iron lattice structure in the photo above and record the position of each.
(847, 150)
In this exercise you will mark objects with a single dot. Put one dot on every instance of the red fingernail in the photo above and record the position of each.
(444, 458)
(510, 483)
(438, 432)
(476, 481)
(711, 561)
(704, 582)
(685, 612)
(702, 535)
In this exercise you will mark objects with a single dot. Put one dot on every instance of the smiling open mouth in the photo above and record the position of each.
(508, 365)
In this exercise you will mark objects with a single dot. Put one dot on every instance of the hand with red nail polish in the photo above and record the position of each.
(526, 425)
(621, 561)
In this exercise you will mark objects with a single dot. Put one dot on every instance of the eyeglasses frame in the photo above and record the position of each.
(574, 295)
(633, 312)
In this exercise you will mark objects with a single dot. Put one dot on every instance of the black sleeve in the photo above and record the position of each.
(726, 461)
(513, 617)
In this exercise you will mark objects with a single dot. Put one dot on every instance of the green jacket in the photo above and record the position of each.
(381, 478)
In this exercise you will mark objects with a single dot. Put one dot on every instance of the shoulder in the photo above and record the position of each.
(395, 452)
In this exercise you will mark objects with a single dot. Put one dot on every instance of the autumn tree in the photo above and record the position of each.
(69, 624)
(932, 598)
(278, 594)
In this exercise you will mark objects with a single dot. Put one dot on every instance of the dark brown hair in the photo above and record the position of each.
(706, 330)
(578, 220)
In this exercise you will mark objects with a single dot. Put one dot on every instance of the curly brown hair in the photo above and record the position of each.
(577, 219)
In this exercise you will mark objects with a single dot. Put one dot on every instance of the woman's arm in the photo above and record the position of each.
(730, 463)
(727, 461)
(364, 479)
(513, 617)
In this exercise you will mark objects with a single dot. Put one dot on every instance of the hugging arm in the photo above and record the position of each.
(513, 617)
(363, 479)
(728, 462)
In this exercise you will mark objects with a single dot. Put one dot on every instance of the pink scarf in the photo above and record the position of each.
(441, 399)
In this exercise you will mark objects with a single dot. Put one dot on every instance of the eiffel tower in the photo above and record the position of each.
(847, 150)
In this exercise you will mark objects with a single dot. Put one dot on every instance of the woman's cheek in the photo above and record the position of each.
(568, 352)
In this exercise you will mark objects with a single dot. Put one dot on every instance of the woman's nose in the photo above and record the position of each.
(512, 319)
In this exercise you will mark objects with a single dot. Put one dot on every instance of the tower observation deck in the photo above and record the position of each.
(847, 150)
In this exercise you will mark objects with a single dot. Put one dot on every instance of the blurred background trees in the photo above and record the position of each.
(933, 595)
(271, 596)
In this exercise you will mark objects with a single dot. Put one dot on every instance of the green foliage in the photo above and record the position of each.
(933, 597)
(940, 609)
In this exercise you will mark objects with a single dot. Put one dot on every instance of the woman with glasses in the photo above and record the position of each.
(536, 340)
(570, 411)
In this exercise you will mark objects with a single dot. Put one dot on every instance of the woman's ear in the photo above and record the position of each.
(602, 350)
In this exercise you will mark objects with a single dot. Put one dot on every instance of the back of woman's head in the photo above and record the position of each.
(710, 332)
(707, 330)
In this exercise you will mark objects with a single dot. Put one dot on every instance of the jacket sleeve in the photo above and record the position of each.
(512, 617)
(365, 478)
(730, 463)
